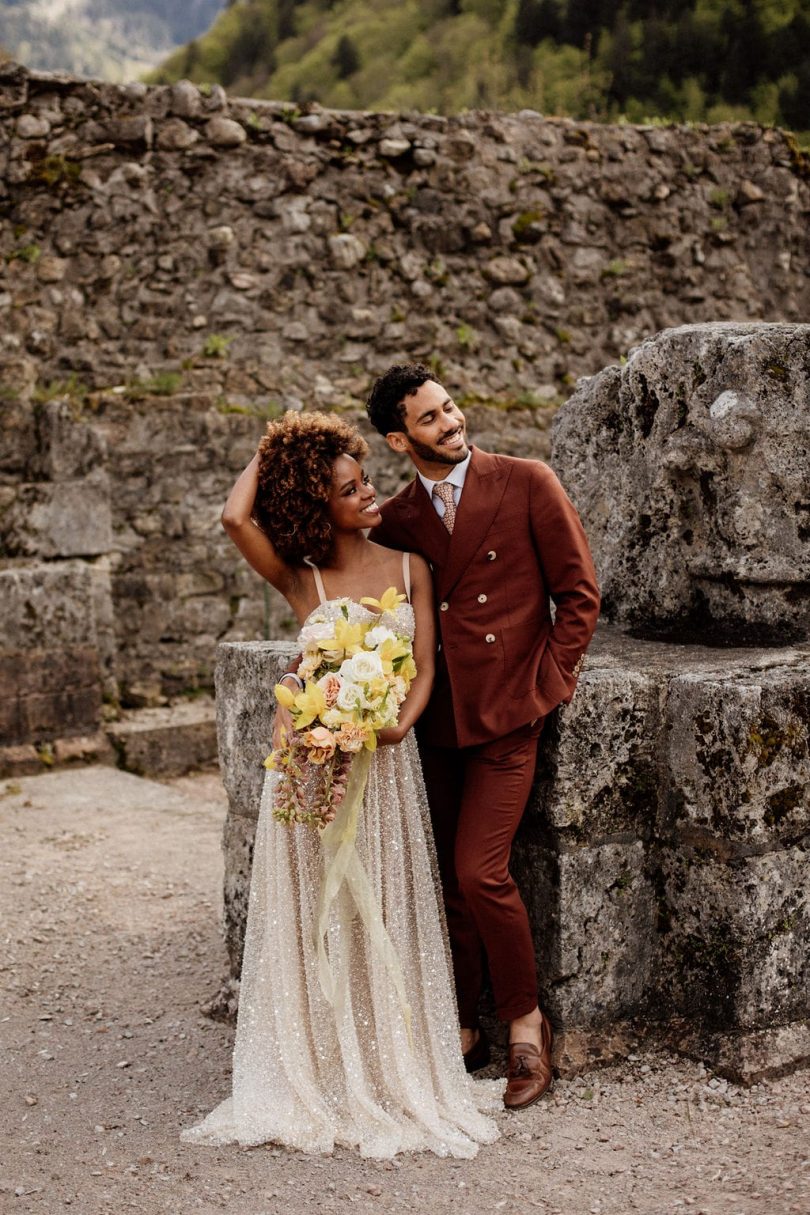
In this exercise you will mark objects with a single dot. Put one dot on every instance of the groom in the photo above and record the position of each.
(503, 540)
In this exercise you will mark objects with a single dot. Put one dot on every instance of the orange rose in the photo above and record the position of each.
(351, 737)
(320, 744)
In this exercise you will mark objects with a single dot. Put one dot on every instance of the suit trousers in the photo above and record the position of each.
(477, 797)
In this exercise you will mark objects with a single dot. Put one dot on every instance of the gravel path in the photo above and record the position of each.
(110, 912)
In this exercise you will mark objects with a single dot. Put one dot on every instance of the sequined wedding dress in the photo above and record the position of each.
(309, 1073)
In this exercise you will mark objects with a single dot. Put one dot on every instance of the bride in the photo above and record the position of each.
(371, 1060)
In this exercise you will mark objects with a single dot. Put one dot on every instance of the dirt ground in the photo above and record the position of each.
(111, 897)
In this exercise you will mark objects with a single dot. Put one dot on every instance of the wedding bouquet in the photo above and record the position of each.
(356, 676)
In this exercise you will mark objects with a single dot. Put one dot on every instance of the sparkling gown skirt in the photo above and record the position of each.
(309, 1073)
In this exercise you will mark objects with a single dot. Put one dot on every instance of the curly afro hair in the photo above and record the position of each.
(296, 458)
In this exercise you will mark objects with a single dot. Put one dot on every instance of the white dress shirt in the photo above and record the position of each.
(455, 477)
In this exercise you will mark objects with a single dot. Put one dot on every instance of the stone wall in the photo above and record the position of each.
(147, 225)
(177, 266)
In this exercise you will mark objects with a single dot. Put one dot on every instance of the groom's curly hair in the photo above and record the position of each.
(386, 401)
(296, 459)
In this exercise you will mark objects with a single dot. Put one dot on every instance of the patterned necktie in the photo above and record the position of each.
(444, 491)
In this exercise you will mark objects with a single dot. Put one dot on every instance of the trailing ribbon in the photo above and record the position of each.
(342, 864)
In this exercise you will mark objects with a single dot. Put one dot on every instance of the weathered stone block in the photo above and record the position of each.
(664, 459)
(166, 742)
(739, 757)
(47, 694)
(597, 770)
(593, 917)
(66, 448)
(245, 676)
(734, 938)
(47, 606)
(237, 845)
(65, 519)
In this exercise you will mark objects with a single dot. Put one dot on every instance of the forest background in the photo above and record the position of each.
(605, 60)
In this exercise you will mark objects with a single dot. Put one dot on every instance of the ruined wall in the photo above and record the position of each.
(148, 224)
(177, 265)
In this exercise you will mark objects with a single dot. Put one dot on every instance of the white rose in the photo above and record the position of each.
(332, 718)
(376, 636)
(364, 667)
(316, 631)
(350, 697)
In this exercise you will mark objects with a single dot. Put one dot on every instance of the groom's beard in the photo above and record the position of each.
(439, 454)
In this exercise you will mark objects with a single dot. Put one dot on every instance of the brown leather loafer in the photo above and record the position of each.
(477, 1056)
(529, 1074)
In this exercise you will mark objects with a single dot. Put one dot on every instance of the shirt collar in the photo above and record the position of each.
(455, 477)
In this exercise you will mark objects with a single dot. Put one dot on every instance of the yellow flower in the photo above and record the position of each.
(284, 696)
(408, 669)
(387, 602)
(309, 704)
(348, 638)
(270, 762)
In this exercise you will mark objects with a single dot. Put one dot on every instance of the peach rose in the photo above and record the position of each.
(351, 737)
(320, 744)
(330, 685)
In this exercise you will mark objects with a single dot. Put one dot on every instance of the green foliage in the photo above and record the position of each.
(26, 253)
(698, 61)
(72, 389)
(466, 336)
(216, 346)
(615, 269)
(162, 384)
(56, 171)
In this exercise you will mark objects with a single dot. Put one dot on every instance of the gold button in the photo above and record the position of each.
(490, 637)
(491, 555)
(443, 607)
(482, 598)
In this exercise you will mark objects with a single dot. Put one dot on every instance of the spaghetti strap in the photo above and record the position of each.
(318, 579)
(406, 574)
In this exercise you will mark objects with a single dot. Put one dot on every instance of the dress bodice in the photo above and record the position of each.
(401, 620)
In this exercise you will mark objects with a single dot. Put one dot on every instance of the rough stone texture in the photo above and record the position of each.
(245, 676)
(663, 864)
(163, 294)
(665, 849)
(166, 742)
(51, 678)
(605, 234)
(690, 466)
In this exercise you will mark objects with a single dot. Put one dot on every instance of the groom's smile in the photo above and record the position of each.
(434, 431)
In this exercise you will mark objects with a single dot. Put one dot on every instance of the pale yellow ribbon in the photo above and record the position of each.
(342, 864)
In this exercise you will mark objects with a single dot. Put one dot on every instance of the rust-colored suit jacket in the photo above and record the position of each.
(517, 542)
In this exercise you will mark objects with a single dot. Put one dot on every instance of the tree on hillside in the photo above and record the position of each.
(345, 59)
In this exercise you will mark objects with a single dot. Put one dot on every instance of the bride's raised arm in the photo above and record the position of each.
(254, 544)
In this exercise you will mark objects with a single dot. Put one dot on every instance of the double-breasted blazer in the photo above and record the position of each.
(517, 544)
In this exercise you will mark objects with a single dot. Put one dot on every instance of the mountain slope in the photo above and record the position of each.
(110, 39)
(695, 60)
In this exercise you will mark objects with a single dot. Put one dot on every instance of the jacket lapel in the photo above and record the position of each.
(484, 487)
(418, 515)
